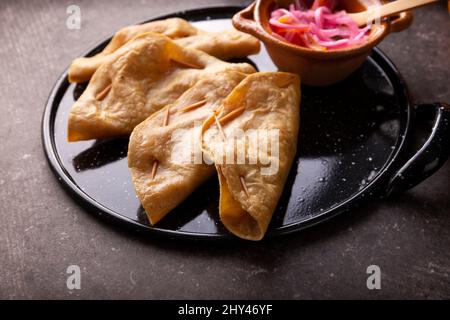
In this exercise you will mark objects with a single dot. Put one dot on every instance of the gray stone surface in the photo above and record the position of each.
(43, 230)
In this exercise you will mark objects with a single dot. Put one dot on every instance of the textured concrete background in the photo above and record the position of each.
(43, 230)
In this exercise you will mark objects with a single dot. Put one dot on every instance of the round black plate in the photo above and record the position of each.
(350, 136)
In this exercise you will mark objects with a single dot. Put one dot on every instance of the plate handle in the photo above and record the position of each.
(431, 156)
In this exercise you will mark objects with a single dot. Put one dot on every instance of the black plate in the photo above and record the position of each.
(351, 143)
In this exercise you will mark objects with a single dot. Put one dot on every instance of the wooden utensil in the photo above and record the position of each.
(386, 10)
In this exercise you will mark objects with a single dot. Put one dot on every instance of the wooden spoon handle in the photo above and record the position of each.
(386, 10)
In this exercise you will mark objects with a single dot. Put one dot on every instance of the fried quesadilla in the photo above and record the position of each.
(267, 103)
(140, 78)
(161, 181)
(224, 104)
(222, 45)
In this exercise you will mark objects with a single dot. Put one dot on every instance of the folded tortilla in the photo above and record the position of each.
(141, 77)
(268, 104)
(164, 154)
(222, 45)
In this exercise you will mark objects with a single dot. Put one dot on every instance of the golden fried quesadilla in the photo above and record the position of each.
(223, 45)
(164, 154)
(140, 78)
(252, 140)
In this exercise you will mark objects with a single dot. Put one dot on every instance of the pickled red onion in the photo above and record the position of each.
(319, 27)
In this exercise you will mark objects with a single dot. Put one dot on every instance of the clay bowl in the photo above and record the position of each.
(316, 68)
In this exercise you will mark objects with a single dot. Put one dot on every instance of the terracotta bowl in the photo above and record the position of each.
(315, 68)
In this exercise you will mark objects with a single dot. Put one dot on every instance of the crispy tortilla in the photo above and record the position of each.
(222, 45)
(249, 193)
(140, 78)
(161, 181)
